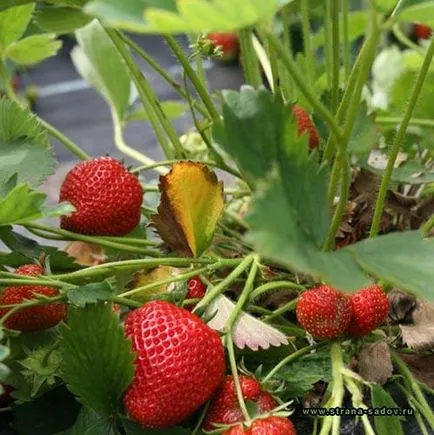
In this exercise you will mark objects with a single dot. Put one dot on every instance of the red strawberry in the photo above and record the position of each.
(106, 196)
(180, 363)
(265, 426)
(422, 31)
(324, 312)
(225, 408)
(5, 398)
(31, 318)
(196, 289)
(370, 308)
(228, 43)
(305, 124)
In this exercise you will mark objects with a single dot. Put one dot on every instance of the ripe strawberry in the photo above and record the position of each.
(106, 196)
(324, 312)
(5, 398)
(196, 289)
(225, 408)
(422, 31)
(265, 426)
(31, 318)
(180, 363)
(228, 43)
(305, 124)
(370, 308)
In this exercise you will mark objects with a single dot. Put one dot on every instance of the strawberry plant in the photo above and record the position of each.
(187, 305)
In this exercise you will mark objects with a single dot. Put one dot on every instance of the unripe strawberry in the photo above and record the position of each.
(107, 198)
(264, 426)
(370, 308)
(228, 43)
(32, 318)
(324, 312)
(180, 363)
(225, 408)
(305, 124)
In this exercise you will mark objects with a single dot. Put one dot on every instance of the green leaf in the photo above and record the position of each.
(304, 372)
(13, 23)
(34, 49)
(51, 413)
(98, 61)
(60, 19)
(132, 428)
(90, 293)
(195, 16)
(6, 4)
(277, 236)
(24, 146)
(91, 423)
(4, 353)
(23, 205)
(253, 129)
(402, 259)
(418, 11)
(98, 364)
(172, 110)
(385, 424)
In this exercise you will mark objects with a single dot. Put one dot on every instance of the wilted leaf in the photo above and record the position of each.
(191, 203)
(248, 330)
(422, 366)
(401, 306)
(85, 253)
(420, 335)
(375, 362)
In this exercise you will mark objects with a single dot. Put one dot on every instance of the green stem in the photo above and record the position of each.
(200, 88)
(147, 94)
(6, 80)
(336, 54)
(379, 206)
(300, 81)
(307, 42)
(286, 84)
(414, 385)
(161, 71)
(290, 358)
(328, 41)
(234, 370)
(401, 37)
(200, 71)
(259, 291)
(67, 235)
(249, 60)
(221, 287)
(281, 310)
(427, 226)
(126, 302)
(142, 263)
(23, 281)
(244, 296)
(66, 142)
(346, 40)
(393, 120)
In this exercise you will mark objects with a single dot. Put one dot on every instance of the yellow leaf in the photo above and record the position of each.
(191, 203)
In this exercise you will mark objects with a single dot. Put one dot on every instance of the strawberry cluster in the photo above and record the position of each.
(327, 313)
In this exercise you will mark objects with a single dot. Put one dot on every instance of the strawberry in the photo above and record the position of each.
(180, 363)
(370, 308)
(5, 398)
(106, 196)
(225, 408)
(305, 124)
(31, 318)
(228, 43)
(265, 426)
(422, 31)
(324, 312)
(196, 289)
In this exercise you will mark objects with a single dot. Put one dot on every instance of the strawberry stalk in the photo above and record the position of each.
(336, 64)
(289, 306)
(249, 60)
(346, 40)
(307, 41)
(264, 288)
(379, 206)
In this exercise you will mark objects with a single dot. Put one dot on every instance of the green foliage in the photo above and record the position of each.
(385, 424)
(34, 49)
(24, 145)
(172, 110)
(60, 19)
(132, 428)
(192, 16)
(97, 361)
(98, 61)
(91, 423)
(4, 353)
(90, 293)
(420, 11)
(53, 412)
(13, 23)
